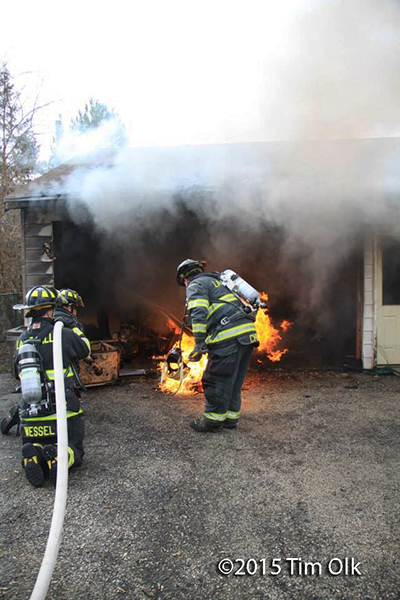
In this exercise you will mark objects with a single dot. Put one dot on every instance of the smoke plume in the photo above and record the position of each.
(287, 215)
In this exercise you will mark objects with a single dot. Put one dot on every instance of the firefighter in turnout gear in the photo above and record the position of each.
(67, 308)
(38, 413)
(227, 333)
(68, 303)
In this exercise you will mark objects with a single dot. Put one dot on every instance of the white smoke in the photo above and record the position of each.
(335, 79)
(73, 144)
(337, 72)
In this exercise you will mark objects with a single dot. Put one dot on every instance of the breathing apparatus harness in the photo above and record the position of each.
(250, 302)
(249, 298)
(36, 388)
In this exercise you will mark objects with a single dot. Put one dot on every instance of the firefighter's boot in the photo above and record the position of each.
(204, 425)
(31, 459)
(50, 456)
(230, 423)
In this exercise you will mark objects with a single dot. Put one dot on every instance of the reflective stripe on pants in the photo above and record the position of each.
(223, 381)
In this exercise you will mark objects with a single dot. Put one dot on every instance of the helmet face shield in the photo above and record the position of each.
(187, 268)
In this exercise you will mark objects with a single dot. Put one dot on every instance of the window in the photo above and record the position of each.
(391, 271)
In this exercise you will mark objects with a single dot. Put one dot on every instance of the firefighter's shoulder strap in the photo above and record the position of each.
(241, 311)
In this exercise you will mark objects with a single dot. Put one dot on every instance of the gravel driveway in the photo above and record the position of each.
(311, 475)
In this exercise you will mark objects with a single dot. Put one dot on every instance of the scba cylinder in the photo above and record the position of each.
(29, 374)
(239, 286)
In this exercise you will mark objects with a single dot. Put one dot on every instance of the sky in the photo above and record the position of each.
(186, 71)
(191, 72)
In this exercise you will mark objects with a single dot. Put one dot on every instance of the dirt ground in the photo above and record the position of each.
(311, 474)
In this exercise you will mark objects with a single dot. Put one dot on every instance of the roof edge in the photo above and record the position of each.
(25, 201)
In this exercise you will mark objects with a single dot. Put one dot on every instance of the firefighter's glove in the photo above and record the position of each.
(200, 348)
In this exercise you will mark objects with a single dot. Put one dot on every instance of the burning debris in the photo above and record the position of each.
(182, 375)
(179, 375)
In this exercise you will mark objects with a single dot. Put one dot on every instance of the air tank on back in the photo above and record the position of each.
(29, 363)
(241, 288)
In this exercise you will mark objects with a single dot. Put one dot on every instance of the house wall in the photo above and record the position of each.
(380, 322)
(37, 266)
(388, 310)
(76, 268)
(369, 303)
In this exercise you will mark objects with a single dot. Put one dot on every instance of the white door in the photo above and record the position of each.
(388, 302)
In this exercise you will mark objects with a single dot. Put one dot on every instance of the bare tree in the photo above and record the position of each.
(18, 146)
(18, 155)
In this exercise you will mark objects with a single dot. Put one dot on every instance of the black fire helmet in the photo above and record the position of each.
(189, 267)
(38, 298)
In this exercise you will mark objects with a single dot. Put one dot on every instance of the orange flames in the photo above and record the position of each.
(285, 325)
(269, 338)
(193, 371)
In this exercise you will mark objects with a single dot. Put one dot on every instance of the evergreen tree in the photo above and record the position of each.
(95, 114)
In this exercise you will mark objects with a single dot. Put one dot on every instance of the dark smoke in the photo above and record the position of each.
(286, 215)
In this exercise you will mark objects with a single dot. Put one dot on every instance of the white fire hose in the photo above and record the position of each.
(60, 500)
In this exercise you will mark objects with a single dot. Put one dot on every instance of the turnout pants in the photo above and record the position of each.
(41, 431)
(223, 380)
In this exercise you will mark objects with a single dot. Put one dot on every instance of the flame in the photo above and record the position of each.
(285, 325)
(276, 355)
(191, 381)
(269, 337)
(173, 326)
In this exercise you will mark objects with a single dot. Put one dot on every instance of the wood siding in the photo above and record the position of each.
(38, 268)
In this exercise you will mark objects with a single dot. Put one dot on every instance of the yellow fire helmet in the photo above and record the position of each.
(67, 296)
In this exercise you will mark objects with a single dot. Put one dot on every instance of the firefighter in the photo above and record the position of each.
(38, 421)
(68, 303)
(227, 333)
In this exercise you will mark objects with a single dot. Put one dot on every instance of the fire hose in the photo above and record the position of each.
(60, 500)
